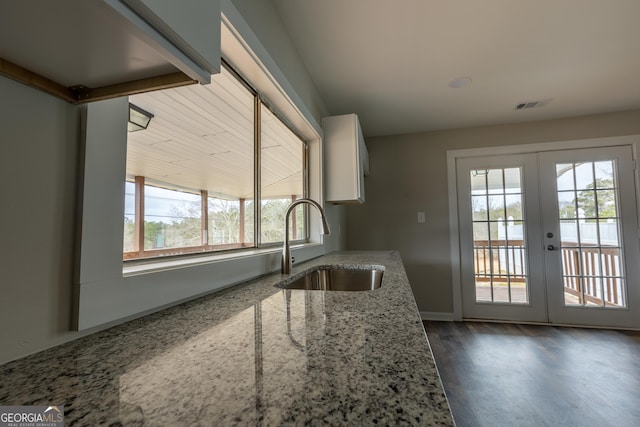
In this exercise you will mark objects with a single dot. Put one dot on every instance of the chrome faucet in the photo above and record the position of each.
(286, 252)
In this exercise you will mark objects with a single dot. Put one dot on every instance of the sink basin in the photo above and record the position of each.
(337, 278)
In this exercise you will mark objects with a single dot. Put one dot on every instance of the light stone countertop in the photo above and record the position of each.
(252, 354)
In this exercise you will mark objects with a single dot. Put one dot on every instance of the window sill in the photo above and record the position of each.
(155, 265)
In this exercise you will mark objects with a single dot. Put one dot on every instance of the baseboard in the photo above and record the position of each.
(436, 315)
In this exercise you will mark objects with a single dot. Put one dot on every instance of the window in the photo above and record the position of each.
(282, 178)
(194, 174)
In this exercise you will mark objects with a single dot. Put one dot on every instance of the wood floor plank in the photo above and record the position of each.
(498, 374)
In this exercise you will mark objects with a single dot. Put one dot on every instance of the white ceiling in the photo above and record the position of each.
(391, 62)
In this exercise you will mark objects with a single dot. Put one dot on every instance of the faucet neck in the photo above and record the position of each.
(286, 252)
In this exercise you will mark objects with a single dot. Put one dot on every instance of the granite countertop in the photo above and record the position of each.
(252, 354)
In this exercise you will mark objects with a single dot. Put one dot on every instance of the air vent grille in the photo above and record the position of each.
(532, 104)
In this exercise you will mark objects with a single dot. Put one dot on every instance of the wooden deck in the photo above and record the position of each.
(518, 294)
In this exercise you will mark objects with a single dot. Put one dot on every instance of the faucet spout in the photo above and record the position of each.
(286, 252)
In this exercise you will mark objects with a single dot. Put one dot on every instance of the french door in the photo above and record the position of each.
(550, 237)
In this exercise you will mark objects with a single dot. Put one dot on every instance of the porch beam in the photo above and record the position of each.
(79, 94)
(204, 223)
(138, 237)
(36, 81)
(241, 219)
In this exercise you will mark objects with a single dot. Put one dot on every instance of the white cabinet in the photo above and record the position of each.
(346, 159)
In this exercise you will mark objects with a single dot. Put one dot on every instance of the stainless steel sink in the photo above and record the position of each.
(336, 278)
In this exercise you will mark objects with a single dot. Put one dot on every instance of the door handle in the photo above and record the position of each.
(551, 247)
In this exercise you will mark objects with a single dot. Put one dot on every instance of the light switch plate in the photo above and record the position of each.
(421, 217)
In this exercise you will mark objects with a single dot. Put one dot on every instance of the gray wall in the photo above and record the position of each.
(38, 160)
(409, 174)
(265, 22)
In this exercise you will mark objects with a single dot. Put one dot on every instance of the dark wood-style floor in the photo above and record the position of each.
(524, 375)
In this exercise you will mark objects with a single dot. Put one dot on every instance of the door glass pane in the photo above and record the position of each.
(588, 233)
(572, 290)
(479, 207)
(587, 204)
(583, 175)
(481, 232)
(593, 296)
(590, 262)
(604, 174)
(514, 207)
(479, 181)
(501, 289)
(564, 181)
(609, 232)
(512, 180)
(496, 207)
(606, 204)
(499, 243)
(497, 231)
(569, 232)
(591, 241)
(613, 283)
(567, 204)
(494, 181)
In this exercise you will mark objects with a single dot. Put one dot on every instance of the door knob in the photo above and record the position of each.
(550, 247)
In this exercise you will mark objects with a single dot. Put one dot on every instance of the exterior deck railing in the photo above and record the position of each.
(591, 274)
(600, 278)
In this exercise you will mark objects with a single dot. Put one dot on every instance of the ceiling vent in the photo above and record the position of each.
(532, 104)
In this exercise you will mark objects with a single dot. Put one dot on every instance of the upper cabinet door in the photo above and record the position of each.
(187, 34)
(346, 159)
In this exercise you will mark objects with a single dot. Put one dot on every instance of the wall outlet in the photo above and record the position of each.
(421, 217)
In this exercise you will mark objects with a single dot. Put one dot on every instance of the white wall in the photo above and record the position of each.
(409, 175)
(39, 153)
(39, 157)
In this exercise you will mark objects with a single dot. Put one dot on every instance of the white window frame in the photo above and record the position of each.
(142, 257)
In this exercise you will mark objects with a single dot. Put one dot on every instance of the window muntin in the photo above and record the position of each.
(202, 142)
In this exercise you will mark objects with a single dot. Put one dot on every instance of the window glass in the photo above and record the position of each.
(282, 179)
(129, 216)
(224, 221)
(194, 168)
(171, 218)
